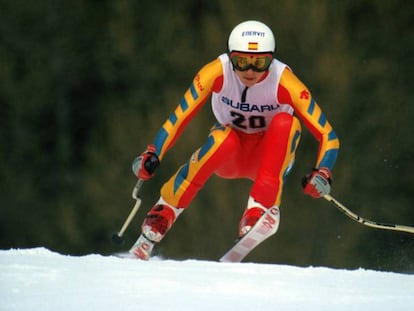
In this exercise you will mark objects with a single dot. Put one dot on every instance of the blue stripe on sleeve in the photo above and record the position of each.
(329, 159)
(183, 104)
(173, 118)
(322, 120)
(332, 135)
(193, 91)
(160, 139)
(311, 106)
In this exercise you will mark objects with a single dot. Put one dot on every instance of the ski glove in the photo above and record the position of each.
(318, 183)
(145, 165)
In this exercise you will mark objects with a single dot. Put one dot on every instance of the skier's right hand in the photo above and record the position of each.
(144, 166)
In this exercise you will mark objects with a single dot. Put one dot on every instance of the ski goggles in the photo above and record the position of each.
(256, 62)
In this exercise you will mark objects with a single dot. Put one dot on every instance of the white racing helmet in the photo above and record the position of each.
(252, 37)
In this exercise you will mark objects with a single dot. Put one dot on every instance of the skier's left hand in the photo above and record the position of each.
(318, 183)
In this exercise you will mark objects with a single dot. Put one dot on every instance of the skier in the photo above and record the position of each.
(257, 101)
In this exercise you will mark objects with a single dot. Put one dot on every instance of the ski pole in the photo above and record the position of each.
(118, 238)
(365, 221)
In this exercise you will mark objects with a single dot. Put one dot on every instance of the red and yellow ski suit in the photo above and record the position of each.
(256, 135)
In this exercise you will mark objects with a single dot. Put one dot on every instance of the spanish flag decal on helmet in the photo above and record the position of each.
(253, 46)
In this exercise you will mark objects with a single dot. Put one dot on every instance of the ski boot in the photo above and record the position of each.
(251, 215)
(157, 223)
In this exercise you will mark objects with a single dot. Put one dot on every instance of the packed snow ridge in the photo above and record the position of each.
(39, 279)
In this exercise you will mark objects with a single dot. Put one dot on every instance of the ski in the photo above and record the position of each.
(266, 226)
(142, 248)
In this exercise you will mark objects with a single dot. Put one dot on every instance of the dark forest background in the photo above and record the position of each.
(85, 86)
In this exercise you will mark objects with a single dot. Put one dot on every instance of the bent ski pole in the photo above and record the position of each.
(118, 238)
(367, 222)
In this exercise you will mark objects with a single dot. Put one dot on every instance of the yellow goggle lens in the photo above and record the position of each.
(256, 62)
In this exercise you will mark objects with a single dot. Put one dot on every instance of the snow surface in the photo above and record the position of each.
(39, 279)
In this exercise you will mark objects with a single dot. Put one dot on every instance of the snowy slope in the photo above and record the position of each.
(38, 279)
